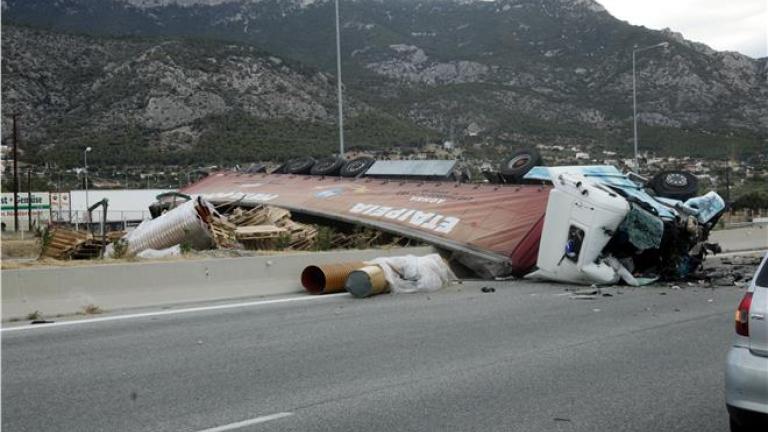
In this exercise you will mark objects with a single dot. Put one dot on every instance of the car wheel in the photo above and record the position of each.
(735, 427)
(327, 166)
(279, 170)
(680, 185)
(358, 166)
(256, 168)
(300, 165)
(516, 166)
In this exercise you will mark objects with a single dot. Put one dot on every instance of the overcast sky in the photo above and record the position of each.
(725, 25)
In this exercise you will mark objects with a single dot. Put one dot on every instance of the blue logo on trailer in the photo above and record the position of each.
(329, 193)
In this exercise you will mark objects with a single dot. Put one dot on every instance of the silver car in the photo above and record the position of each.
(746, 372)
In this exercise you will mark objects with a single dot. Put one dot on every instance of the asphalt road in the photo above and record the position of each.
(525, 358)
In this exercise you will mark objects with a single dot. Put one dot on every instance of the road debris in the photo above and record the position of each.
(409, 274)
(64, 244)
(186, 224)
(367, 281)
(328, 278)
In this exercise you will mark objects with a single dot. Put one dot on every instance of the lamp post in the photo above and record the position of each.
(338, 83)
(85, 161)
(634, 93)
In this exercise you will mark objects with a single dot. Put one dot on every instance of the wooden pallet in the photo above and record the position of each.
(222, 231)
(259, 232)
(254, 216)
(90, 249)
(278, 216)
(63, 242)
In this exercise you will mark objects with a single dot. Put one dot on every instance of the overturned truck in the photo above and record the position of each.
(582, 224)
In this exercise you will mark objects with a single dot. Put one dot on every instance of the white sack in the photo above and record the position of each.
(162, 253)
(409, 274)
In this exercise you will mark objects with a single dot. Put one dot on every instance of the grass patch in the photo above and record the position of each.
(92, 309)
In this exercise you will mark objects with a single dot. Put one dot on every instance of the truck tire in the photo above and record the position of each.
(300, 165)
(358, 166)
(256, 168)
(679, 185)
(328, 166)
(516, 166)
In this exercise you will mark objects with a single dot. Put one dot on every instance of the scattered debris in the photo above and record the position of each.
(92, 309)
(328, 278)
(186, 225)
(409, 274)
(367, 281)
(404, 274)
(63, 244)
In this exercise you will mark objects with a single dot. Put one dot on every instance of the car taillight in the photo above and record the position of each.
(742, 315)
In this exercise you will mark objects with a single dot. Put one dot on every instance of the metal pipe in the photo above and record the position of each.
(366, 282)
(328, 278)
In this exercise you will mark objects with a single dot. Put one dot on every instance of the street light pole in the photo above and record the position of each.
(338, 83)
(15, 174)
(634, 109)
(85, 161)
(634, 94)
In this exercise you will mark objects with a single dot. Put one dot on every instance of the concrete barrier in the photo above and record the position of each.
(68, 290)
(753, 237)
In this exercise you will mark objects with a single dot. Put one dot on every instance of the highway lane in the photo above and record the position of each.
(524, 358)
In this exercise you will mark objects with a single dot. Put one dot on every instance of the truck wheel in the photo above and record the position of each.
(680, 185)
(327, 166)
(358, 166)
(516, 166)
(300, 165)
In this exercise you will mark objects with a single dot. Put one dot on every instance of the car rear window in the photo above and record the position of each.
(762, 277)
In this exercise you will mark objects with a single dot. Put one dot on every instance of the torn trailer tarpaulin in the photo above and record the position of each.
(498, 224)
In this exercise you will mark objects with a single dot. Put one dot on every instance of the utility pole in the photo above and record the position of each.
(15, 175)
(727, 184)
(634, 95)
(29, 199)
(338, 83)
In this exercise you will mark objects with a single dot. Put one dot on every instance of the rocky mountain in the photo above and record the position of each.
(509, 72)
(173, 101)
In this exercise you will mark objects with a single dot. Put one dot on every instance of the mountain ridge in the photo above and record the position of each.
(517, 72)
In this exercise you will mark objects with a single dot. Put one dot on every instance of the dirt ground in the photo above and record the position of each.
(20, 249)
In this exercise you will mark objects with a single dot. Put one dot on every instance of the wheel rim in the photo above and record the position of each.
(518, 161)
(356, 165)
(676, 180)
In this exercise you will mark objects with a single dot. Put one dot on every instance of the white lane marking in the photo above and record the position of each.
(170, 312)
(245, 423)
